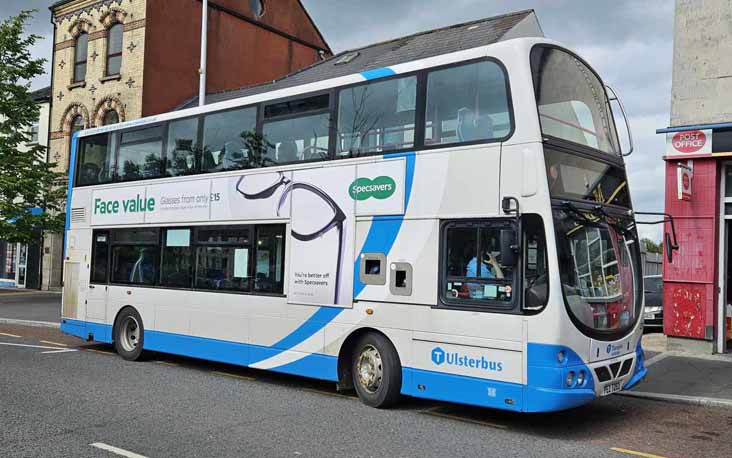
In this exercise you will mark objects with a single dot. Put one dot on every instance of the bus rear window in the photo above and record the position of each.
(96, 160)
(572, 102)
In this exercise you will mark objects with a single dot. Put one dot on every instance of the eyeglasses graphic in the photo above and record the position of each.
(264, 186)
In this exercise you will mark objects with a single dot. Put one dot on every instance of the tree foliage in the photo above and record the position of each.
(27, 183)
(651, 246)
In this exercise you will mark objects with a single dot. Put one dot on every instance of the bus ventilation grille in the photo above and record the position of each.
(78, 215)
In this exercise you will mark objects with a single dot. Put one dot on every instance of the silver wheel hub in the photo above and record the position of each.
(370, 369)
(130, 334)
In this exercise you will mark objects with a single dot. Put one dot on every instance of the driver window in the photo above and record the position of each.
(473, 272)
(536, 280)
(297, 130)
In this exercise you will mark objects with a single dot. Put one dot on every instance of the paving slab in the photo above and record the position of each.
(689, 376)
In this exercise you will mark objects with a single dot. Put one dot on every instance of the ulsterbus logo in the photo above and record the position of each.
(613, 348)
(379, 188)
(439, 357)
(689, 142)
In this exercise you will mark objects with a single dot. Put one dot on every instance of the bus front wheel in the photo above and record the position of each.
(129, 334)
(377, 372)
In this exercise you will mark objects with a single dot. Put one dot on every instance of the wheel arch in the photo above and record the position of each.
(119, 312)
(345, 381)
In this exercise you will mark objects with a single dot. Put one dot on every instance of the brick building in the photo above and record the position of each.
(118, 60)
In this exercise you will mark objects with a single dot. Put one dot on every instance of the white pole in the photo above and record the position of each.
(202, 69)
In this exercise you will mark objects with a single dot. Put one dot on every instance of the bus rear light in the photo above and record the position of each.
(570, 378)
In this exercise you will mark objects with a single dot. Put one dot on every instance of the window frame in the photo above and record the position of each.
(92, 267)
(194, 244)
(586, 150)
(112, 244)
(262, 120)
(479, 305)
(163, 126)
(118, 54)
(79, 62)
(332, 110)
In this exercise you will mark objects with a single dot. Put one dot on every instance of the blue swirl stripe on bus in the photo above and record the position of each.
(381, 238)
(385, 229)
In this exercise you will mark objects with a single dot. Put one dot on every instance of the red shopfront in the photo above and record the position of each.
(696, 292)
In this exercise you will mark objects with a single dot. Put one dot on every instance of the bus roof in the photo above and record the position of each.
(421, 45)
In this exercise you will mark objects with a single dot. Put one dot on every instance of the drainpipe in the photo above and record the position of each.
(204, 42)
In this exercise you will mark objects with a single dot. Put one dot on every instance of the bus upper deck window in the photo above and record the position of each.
(466, 104)
(572, 101)
(229, 141)
(296, 130)
(377, 117)
(96, 160)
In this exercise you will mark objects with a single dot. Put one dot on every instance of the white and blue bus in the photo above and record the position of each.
(456, 227)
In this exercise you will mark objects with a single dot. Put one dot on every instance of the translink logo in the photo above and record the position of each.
(439, 357)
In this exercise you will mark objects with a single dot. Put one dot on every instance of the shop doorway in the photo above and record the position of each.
(723, 343)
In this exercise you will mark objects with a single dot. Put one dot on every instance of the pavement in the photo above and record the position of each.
(33, 305)
(684, 378)
(62, 397)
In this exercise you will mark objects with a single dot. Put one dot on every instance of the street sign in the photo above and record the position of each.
(696, 142)
(684, 173)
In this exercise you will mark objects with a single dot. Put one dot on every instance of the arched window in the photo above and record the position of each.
(77, 124)
(82, 44)
(114, 50)
(110, 117)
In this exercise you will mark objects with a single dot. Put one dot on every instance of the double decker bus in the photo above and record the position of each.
(457, 227)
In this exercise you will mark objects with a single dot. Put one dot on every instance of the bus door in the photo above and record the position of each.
(96, 296)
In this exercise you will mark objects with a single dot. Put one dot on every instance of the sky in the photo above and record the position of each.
(629, 43)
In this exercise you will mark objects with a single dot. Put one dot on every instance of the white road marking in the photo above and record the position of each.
(54, 349)
(50, 342)
(8, 335)
(116, 451)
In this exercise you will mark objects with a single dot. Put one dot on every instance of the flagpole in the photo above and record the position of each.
(204, 42)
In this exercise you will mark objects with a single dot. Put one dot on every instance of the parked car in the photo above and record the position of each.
(653, 294)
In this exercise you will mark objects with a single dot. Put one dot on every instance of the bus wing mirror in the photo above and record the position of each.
(509, 248)
(670, 242)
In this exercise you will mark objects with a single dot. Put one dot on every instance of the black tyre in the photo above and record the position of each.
(376, 370)
(129, 334)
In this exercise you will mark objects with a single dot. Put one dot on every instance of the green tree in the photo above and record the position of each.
(26, 183)
(651, 246)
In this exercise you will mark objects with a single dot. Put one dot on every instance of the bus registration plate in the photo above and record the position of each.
(611, 388)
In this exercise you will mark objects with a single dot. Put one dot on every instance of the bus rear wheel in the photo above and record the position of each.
(376, 370)
(129, 334)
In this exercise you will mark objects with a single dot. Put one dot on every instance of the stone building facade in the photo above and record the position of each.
(107, 52)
